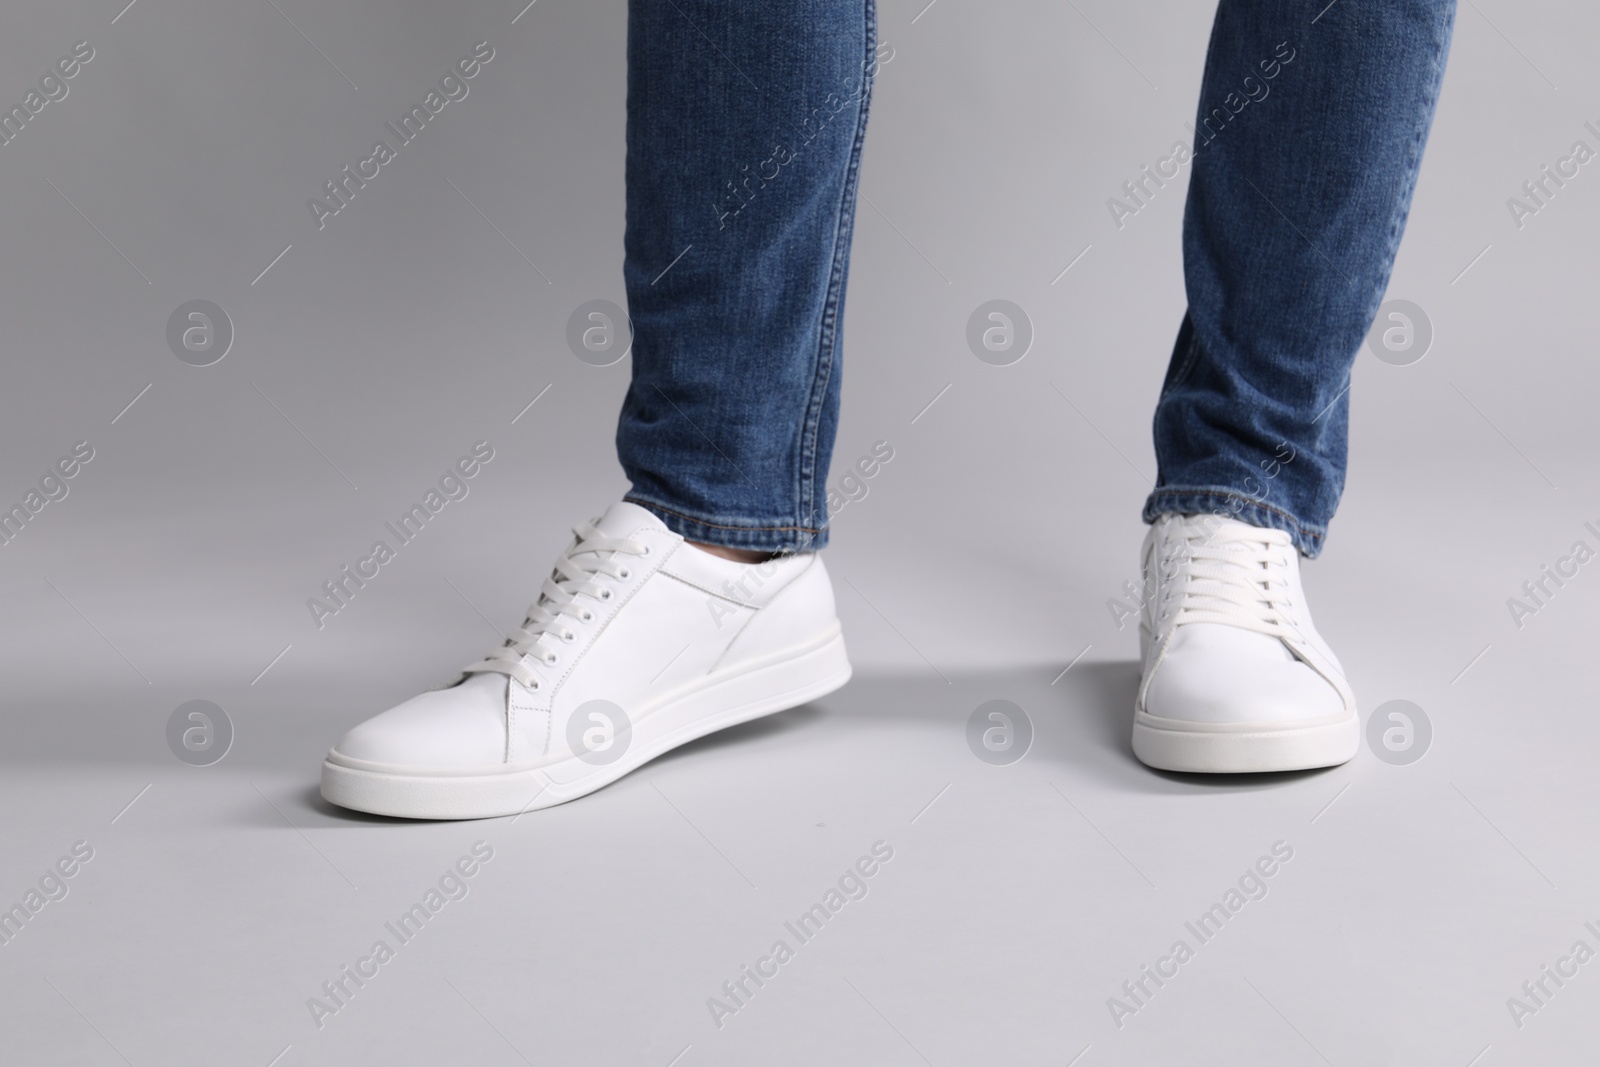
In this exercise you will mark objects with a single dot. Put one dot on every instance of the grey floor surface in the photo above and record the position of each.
(1419, 898)
(1019, 898)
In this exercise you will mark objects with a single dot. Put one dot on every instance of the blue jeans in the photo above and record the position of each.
(745, 126)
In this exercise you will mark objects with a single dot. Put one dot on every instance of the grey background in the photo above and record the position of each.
(426, 317)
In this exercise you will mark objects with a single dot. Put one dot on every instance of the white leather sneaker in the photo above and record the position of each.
(1236, 677)
(638, 643)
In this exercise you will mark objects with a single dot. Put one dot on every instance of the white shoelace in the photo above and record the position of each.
(578, 573)
(1240, 581)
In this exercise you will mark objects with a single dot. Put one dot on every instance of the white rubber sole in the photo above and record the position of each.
(725, 699)
(1244, 748)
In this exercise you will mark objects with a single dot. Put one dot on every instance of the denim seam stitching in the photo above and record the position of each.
(1191, 356)
(1414, 155)
(805, 488)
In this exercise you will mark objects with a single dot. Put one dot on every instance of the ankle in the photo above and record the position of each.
(738, 555)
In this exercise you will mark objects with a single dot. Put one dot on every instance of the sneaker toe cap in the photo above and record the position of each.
(461, 726)
(1203, 679)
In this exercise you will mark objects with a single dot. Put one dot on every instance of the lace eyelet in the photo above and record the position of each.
(646, 551)
(550, 659)
(534, 688)
(605, 594)
(569, 637)
(587, 616)
(624, 574)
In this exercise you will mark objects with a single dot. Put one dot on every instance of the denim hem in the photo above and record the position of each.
(711, 530)
(1216, 500)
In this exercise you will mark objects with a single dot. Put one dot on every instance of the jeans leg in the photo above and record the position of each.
(745, 124)
(1310, 130)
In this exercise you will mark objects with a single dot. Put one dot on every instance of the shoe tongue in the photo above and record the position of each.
(1218, 529)
(623, 519)
(485, 684)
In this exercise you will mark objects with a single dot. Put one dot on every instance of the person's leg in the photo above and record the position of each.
(1310, 130)
(745, 125)
(1311, 127)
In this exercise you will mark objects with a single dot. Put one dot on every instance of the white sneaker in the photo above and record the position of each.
(1236, 677)
(638, 643)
